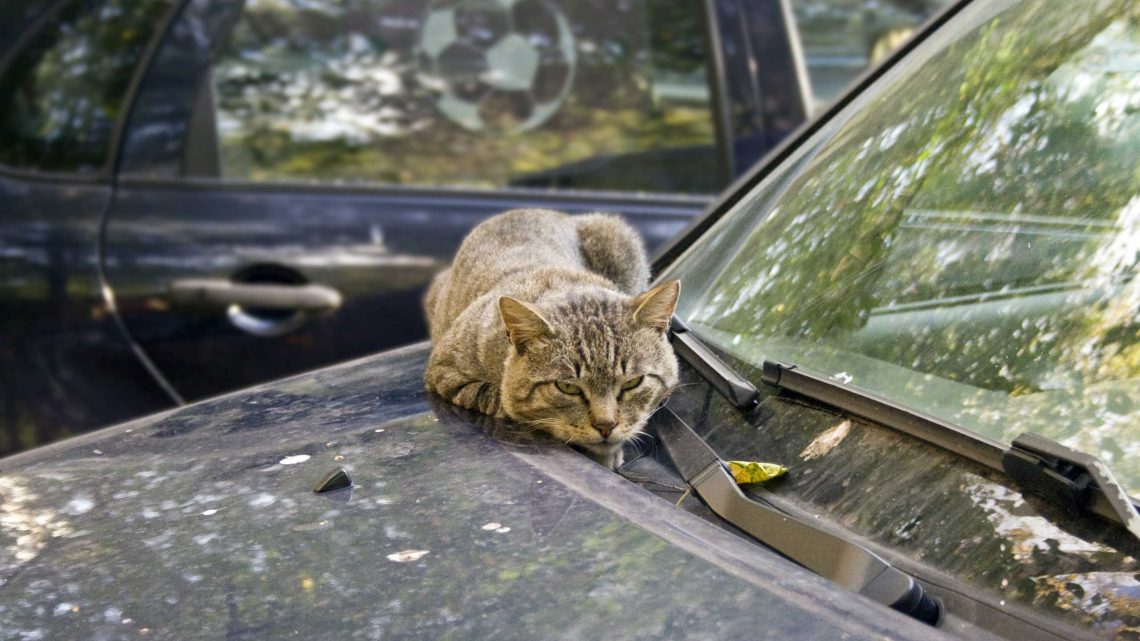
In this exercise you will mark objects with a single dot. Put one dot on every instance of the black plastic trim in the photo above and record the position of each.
(946, 435)
(804, 541)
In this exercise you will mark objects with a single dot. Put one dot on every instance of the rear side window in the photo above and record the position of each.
(841, 38)
(62, 91)
(478, 93)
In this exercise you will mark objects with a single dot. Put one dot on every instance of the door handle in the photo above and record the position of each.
(206, 292)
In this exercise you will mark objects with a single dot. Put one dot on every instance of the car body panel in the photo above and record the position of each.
(164, 169)
(204, 519)
(65, 366)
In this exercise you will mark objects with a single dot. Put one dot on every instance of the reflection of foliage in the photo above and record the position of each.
(834, 26)
(977, 222)
(677, 35)
(307, 93)
(442, 156)
(1100, 607)
(60, 96)
(877, 166)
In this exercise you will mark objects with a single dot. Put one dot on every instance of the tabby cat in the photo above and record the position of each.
(539, 320)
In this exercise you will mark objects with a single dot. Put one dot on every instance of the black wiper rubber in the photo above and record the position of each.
(844, 562)
(1039, 465)
(737, 389)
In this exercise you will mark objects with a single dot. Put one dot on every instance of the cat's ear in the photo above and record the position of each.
(523, 321)
(655, 307)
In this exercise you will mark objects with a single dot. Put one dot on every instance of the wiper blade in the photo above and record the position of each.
(737, 389)
(1039, 465)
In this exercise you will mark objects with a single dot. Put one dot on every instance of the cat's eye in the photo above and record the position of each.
(632, 383)
(568, 388)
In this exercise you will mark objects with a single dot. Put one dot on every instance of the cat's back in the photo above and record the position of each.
(520, 238)
(514, 245)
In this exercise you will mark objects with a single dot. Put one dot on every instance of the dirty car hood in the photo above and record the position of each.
(202, 523)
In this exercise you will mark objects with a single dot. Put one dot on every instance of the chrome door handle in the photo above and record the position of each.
(206, 292)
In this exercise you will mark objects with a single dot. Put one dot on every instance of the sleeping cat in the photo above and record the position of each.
(539, 320)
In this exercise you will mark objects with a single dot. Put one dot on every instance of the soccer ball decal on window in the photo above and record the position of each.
(496, 65)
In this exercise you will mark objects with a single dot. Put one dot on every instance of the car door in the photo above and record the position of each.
(344, 149)
(65, 364)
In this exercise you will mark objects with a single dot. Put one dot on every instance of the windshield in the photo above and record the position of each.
(963, 237)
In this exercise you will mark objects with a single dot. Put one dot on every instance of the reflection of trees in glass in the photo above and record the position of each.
(333, 92)
(61, 95)
(976, 222)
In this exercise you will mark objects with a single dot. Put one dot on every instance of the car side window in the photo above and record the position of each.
(841, 38)
(62, 92)
(576, 94)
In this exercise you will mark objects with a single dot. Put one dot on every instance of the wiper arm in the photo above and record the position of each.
(1038, 464)
(844, 562)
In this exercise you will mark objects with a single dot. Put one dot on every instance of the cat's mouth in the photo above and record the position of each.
(618, 434)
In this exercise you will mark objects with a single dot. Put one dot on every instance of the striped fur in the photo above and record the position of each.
(539, 320)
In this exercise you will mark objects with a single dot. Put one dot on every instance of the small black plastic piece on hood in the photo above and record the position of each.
(337, 479)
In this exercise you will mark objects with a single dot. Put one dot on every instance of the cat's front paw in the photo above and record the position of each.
(615, 459)
(610, 455)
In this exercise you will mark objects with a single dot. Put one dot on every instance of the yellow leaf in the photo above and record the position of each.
(746, 472)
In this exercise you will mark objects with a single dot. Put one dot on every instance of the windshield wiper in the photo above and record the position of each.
(844, 562)
(1037, 464)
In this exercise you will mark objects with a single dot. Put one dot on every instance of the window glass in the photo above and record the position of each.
(585, 94)
(15, 15)
(841, 38)
(965, 239)
(62, 93)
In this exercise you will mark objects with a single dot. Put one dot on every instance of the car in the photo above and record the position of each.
(199, 196)
(921, 305)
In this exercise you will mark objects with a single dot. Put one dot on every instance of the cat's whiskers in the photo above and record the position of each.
(552, 425)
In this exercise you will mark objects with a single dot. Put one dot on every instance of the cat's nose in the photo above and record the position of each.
(604, 427)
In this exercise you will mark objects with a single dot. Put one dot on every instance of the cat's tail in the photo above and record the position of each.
(613, 249)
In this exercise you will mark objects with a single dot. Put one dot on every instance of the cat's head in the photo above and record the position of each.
(589, 368)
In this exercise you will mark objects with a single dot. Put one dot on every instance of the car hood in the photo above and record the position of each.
(202, 522)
